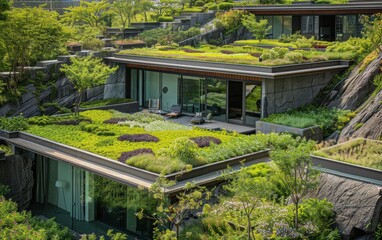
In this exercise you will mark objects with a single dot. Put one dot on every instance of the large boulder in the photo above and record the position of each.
(358, 205)
(357, 87)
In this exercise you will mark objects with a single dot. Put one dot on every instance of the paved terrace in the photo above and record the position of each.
(214, 125)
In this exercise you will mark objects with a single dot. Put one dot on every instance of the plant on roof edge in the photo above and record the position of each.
(85, 73)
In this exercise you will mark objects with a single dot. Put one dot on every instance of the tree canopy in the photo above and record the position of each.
(85, 73)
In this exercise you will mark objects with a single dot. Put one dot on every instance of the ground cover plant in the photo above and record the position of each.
(329, 120)
(362, 152)
(115, 135)
(241, 54)
(104, 102)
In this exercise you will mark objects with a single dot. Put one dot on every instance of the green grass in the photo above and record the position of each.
(105, 102)
(86, 136)
(247, 55)
(270, 42)
(329, 120)
(361, 152)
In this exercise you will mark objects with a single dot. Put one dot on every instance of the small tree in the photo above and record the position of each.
(373, 31)
(85, 73)
(259, 29)
(172, 214)
(248, 193)
(296, 172)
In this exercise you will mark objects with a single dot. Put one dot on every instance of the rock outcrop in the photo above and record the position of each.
(16, 172)
(367, 123)
(357, 87)
(358, 205)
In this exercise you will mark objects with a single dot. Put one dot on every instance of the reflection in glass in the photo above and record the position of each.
(217, 98)
(151, 86)
(169, 97)
(193, 94)
(252, 103)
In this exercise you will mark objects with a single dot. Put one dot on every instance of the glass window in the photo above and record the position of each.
(270, 23)
(134, 84)
(193, 92)
(310, 26)
(346, 27)
(88, 203)
(277, 26)
(169, 90)
(252, 103)
(287, 24)
(151, 84)
(217, 98)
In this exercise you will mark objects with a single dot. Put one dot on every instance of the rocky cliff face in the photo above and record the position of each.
(357, 87)
(353, 94)
(367, 123)
(16, 172)
(358, 205)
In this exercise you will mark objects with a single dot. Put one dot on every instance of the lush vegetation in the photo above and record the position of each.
(360, 152)
(22, 225)
(175, 146)
(329, 120)
(6, 149)
(254, 204)
(104, 102)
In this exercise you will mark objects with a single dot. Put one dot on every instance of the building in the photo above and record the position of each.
(327, 22)
(233, 93)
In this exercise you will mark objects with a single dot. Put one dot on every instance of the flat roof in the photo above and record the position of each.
(315, 9)
(203, 67)
(124, 173)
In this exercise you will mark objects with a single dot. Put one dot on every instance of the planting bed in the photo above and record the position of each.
(362, 152)
(146, 141)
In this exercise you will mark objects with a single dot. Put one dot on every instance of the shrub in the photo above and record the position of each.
(287, 38)
(40, 120)
(126, 155)
(183, 149)
(14, 123)
(304, 42)
(165, 19)
(205, 141)
(294, 57)
(104, 102)
(199, 3)
(224, 6)
(275, 53)
(211, 6)
(96, 129)
(138, 138)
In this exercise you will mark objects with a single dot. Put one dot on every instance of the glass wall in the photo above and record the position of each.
(151, 86)
(217, 98)
(280, 25)
(252, 103)
(193, 94)
(346, 27)
(199, 94)
(169, 90)
(310, 26)
(88, 203)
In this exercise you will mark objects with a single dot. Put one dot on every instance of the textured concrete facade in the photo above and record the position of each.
(115, 86)
(282, 94)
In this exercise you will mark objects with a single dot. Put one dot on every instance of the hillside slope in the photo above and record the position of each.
(355, 94)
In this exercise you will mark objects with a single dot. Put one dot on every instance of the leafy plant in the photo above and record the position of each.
(14, 123)
(258, 28)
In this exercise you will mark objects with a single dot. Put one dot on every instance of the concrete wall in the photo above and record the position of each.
(280, 95)
(115, 86)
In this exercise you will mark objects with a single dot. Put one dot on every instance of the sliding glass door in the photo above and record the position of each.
(193, 94)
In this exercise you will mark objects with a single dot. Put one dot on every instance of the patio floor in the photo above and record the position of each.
(214, 125)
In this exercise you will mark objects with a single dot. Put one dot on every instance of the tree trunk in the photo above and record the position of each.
(145, 14)
(78, 102)
(249, 227)
(296, 216)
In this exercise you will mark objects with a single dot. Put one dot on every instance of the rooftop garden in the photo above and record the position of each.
(329, 120)
(362, 152)
(144, 140)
